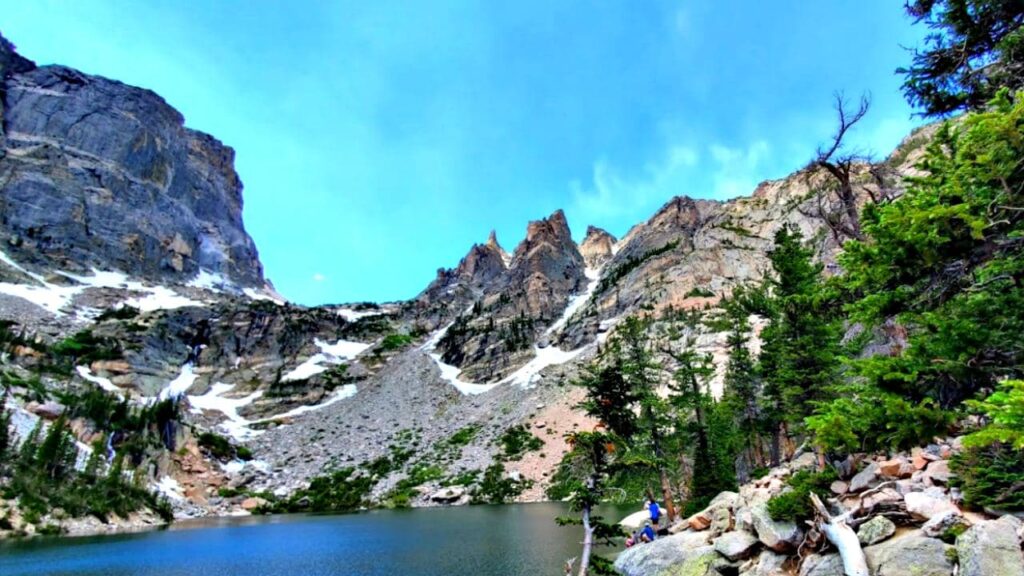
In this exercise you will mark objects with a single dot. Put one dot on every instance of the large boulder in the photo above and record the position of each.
(664, 557)
(805, 461)
(448, 495)
(253, 503)
(942, 524)
(991, 549)
(822, 565)
(911, 555)
(865, 478)
(767, 563)
(938, 472)
(875, 530)
(897, 467)
(779, 536)
(737, 545)
(926, 505)
(635, 520)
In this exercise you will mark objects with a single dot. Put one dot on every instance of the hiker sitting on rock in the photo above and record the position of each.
(647, 534)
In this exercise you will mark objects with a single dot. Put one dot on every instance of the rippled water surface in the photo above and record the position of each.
(471, 541)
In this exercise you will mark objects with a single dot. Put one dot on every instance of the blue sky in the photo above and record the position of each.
(378, 140)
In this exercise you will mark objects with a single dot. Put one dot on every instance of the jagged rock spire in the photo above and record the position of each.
(597, 246)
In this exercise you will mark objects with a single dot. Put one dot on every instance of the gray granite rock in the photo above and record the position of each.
(911, 555)
(663, 558)
(991, 549)
(737, 545)
(875, 530)
(97, 173)
(779, 536)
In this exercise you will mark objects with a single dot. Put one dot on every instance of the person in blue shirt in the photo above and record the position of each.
(655, 511)
(647, 534)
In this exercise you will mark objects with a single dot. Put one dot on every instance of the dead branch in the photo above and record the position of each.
(842, 537)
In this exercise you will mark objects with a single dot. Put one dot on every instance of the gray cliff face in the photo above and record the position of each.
(95, 173)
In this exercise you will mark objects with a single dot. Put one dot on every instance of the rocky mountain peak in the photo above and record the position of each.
(597, 247)
(483, 264)
(10, 61)
(681, 212)
(551, 233)
(492, 240)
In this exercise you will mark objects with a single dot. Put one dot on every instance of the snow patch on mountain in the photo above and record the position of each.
(329, 354)
(103, 383)
(54, 298)
(175, 388)
(236, 426)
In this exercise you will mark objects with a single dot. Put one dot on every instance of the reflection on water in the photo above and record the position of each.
(474, 540)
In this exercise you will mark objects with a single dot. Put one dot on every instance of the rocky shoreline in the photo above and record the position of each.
(907, 518)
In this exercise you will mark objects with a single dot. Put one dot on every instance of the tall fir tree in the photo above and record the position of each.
(798, 359)
(709, 426)
(640, 371)
(741, 389)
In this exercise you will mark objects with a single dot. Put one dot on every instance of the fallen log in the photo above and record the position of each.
(842, 537)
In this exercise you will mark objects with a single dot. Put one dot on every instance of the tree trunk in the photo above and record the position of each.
(666, 488)
(588, 534)
(666, 491)
(775, 448)
(843, 538)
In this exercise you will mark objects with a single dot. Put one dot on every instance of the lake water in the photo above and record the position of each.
(510, 540)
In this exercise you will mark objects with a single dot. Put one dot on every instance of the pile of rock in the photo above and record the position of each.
(908, 520)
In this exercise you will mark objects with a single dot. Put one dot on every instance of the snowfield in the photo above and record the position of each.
(330, 354)
(235, 425)
(175, 388)
(103, 383)
(55, 298)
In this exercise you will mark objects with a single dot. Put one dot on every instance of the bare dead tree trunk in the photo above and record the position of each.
(843, 538)
(841, 213)
(588, 534)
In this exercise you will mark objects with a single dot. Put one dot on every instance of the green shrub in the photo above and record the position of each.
(85, 347)
(517, 441)
(990, 476)
(495, 488)
(394, 341)
(699, 292)
(464, 435)
(120, 313)
(467, 478)
(221, 448)
(612, 277)
(340, 491)
(795, 504)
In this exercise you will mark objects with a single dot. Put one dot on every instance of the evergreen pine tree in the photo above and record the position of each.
(640, 372)
(798, 358)
(5, 433)
(708, 426)
(740, 386)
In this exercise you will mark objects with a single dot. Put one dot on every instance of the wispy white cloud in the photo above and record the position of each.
(718, 172)
(318, 277)
(737, 171)
(611, 193)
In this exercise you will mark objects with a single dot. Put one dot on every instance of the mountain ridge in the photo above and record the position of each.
(487, 348)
